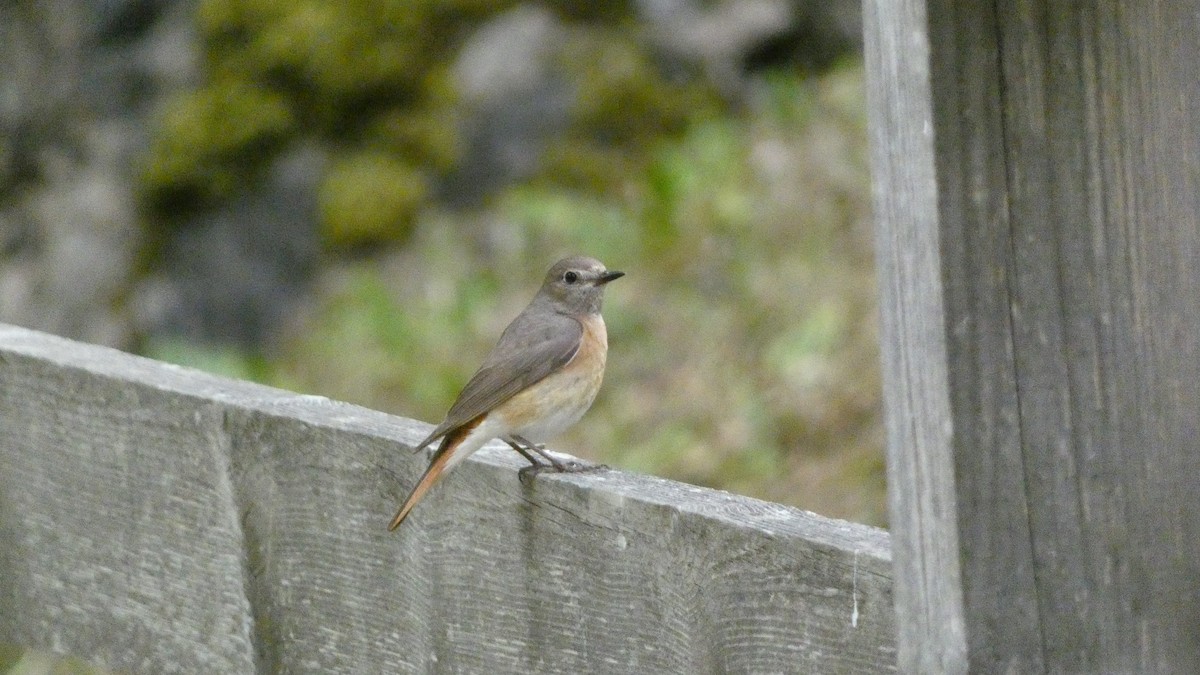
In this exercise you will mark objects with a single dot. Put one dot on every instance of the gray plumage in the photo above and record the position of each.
(530, 349)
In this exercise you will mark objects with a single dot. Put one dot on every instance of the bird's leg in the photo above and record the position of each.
(535, 467)
(560, 467)
(533, 462)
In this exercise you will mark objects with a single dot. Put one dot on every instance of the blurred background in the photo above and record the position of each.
(353, 197)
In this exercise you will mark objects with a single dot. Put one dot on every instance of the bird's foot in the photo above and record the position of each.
(531, 451)
(528, 473)
(571, 466)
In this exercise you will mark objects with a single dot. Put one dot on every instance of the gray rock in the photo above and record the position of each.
(730, 38)
(514, 101)
(81, 79)
(233, 274)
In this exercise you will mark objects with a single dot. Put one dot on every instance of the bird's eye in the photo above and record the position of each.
(571, 277)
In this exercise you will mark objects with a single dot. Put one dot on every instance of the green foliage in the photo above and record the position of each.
(743, 338)
(373, 344)
(222, 360)
(623, 107)
(370, 80)
(557, 219)
(696, 184)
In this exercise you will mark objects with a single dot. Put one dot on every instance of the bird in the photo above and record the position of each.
(539, 379)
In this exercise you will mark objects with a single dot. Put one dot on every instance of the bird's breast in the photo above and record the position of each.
(547, 408)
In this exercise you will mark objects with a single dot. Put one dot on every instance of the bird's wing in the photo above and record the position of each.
(526, 352)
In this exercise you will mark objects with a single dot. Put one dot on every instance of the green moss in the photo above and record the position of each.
(370, 197)
(622, 97)
(609, 11)
(362, 73)
(333, 58)
(623, 107)
(422, 135)
(212, 139)
(377, 74)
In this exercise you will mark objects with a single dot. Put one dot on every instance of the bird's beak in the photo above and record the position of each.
(608, 276)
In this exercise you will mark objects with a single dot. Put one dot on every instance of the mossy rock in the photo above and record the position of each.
(611, 11)
(370, 197)
(211, 141)
(624, 105)
(378, 74)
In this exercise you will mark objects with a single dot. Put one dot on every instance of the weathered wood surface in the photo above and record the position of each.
(1038, 200)
(157, 519)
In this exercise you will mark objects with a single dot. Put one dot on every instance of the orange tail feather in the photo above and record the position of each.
(437, 467)
(431, 476)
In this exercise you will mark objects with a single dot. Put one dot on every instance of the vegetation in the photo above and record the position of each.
(743, 341)
(370, 80)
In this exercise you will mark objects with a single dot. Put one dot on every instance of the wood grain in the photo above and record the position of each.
(1038, 203)
(163, 520)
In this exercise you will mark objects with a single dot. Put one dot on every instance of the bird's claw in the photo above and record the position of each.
(527, 474)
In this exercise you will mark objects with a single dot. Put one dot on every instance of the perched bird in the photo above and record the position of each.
(539, 379)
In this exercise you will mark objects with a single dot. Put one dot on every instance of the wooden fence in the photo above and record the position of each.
(1037, 185)
(1037, 191)
(159, 519)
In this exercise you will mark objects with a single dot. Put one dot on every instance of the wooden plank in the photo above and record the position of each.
(919, 420)
(1106, 235)
(119, 534)
(1062, 241)
(254, 520)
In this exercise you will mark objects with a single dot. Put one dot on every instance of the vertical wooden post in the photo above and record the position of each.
(1038, 202)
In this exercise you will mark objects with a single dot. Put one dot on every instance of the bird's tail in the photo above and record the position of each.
(431, 476)
(453, 449)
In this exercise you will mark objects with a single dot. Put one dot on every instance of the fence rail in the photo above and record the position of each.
(158, 519)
